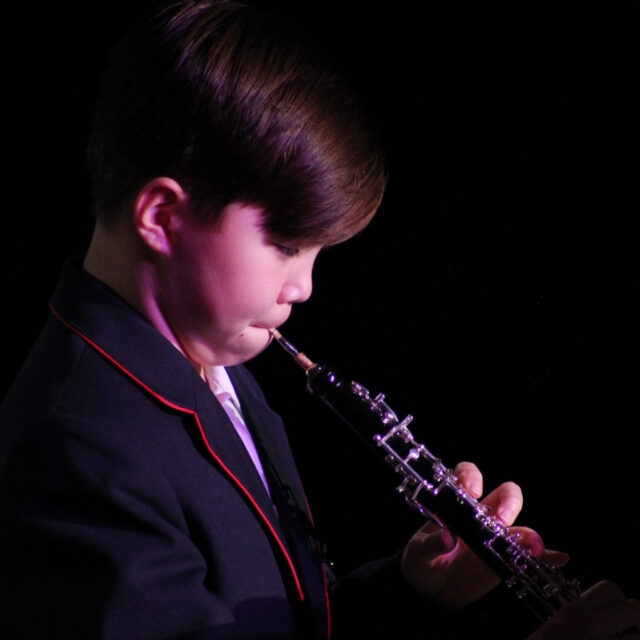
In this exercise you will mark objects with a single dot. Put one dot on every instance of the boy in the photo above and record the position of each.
(147, 490)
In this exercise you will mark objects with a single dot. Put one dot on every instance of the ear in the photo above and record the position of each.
(157, 208)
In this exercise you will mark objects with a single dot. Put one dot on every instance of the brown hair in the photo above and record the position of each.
(235, 105)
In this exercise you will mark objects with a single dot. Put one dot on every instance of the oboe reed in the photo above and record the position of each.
(299, 357)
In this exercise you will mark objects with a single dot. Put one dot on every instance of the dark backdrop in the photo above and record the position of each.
(492, 297)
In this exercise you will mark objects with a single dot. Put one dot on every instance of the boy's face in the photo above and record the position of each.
(227, 284)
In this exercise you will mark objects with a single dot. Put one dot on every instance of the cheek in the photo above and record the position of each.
(242, 298)
(252, 295)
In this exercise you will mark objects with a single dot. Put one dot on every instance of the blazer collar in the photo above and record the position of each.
(108, 322)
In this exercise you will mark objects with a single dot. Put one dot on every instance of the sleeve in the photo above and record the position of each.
(375, 602)
(94, 544)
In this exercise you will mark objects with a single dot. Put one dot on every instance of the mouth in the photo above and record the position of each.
(271, 331)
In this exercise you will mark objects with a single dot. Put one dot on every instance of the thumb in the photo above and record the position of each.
(430, 545)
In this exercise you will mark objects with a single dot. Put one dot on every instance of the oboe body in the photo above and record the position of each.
(432, 489)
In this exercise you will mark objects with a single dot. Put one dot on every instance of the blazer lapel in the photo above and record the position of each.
(222, 437)
(288, 496)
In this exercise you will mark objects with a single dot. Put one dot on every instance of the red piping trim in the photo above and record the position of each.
(117, 364)
(253, 502)
(326, 597)
(168, 403)
(324, 579)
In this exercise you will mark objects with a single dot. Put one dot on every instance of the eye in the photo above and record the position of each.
(287, 250)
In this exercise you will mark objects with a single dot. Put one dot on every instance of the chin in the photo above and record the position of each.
(249, 344)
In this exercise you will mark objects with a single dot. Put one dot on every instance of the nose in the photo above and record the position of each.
(299, 283)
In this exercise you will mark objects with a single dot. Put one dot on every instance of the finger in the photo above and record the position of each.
(606, 611)
(429, 527)
(555, 558)
(532, 541)
(529, 539)
(602, 594)
(628, 615)
(431, 545)
(469, 477)
(616, 618)
(505, 502)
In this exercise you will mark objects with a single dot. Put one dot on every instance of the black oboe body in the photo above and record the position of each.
(433, 490)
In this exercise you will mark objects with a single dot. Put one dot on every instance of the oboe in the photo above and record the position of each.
(433, 490)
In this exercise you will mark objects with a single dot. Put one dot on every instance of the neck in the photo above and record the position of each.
(113, 258)
(119, 259)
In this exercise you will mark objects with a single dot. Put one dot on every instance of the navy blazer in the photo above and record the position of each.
(129, 505)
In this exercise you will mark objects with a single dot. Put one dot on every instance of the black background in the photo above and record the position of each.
(494, 294)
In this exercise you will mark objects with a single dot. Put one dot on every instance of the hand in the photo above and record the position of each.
(602, 612)
(444, 569)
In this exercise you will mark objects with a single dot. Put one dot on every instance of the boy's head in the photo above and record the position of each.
(236, 106)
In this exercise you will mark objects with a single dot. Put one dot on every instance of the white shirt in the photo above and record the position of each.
(219, 382)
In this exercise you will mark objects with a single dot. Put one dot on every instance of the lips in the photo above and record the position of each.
(266, 327)
(272, 324)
